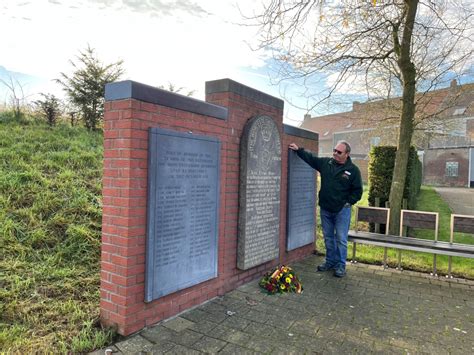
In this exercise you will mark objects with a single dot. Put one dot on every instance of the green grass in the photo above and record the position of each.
(428, 200)
(50, 222)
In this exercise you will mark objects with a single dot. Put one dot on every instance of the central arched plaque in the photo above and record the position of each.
(259, 194)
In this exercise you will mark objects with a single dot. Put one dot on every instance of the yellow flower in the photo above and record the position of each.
(291, 276)
(282, 286)
(288, 280)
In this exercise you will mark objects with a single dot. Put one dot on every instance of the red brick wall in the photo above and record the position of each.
(125, 205)
(434, 167)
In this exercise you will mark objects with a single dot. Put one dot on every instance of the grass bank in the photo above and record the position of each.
(50, 222)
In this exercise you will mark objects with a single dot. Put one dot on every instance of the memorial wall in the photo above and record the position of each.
(199, 197)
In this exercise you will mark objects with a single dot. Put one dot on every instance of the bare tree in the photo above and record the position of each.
(17, 96)
(392, 48)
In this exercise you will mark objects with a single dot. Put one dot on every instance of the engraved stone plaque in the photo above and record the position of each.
(182, 227)
(301, 222)
(259, 194)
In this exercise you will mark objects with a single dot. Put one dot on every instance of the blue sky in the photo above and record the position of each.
(184, 42)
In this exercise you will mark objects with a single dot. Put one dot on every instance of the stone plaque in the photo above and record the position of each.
(182, 227)
(259, 194)
(301, 216)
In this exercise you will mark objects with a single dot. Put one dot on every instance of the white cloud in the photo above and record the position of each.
(184, 42)
(155, 7)
(186, 46)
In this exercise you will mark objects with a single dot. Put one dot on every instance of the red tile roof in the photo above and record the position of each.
(440, 103)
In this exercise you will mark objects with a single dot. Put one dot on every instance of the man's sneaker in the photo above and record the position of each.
(340, 272)
(325, 267)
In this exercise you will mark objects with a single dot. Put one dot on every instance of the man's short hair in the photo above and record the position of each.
(346, 144)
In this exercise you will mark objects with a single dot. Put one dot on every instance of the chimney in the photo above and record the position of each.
(355, 105)
(454, 83)
(307, 116)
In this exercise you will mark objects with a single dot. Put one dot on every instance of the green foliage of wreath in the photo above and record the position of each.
(282, 279)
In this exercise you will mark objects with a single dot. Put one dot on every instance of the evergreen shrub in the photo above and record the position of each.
(381, 165)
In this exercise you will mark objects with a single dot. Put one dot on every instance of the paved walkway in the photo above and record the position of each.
(459, 199)
(368, 311)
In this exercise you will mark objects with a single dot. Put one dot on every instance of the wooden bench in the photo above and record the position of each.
(376, 215)
(463, 224)
(419, 220)
(413, 219)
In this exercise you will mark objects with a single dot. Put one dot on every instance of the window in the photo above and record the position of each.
(452, 168)
(459, 111)
(374, 141)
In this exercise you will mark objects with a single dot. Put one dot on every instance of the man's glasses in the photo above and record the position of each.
(338, 152)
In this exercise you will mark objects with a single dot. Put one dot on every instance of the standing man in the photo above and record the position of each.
(341, 187)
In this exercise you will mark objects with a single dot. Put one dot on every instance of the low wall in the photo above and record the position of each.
(131, 110)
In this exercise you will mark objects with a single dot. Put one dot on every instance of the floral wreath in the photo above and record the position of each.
(282, 279)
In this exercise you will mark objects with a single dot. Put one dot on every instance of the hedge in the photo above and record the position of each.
(381, 165)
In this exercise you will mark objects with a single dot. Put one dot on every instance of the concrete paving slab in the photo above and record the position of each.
(369, 311)
(460, 200)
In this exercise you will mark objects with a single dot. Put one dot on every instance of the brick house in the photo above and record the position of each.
(444, 132)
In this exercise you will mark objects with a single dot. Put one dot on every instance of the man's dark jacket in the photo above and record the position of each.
(340, 183)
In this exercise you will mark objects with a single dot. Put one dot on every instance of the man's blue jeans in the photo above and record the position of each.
(335, 228)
